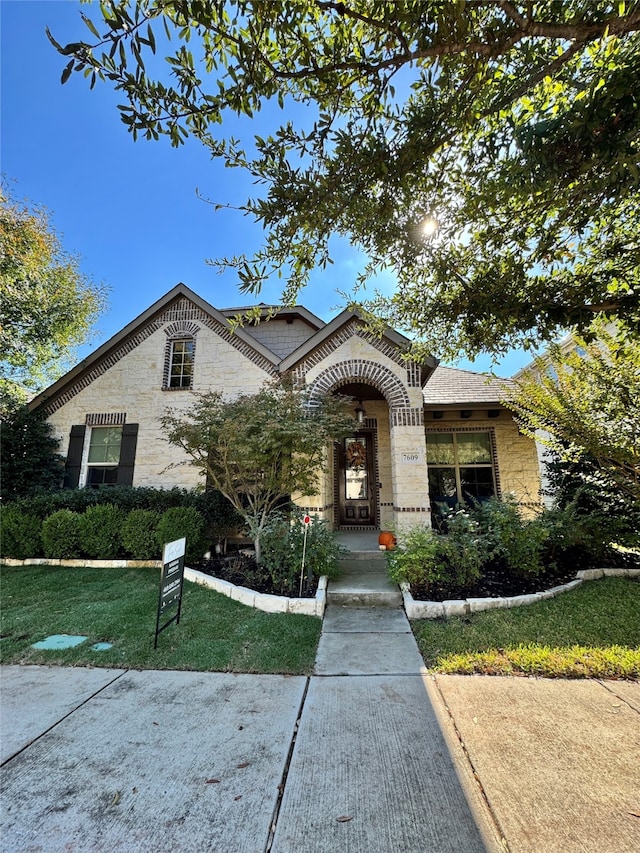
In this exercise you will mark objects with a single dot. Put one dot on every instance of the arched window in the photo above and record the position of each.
(180, 354)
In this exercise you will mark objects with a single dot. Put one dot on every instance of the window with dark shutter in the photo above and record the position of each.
(127, 454)
(74, 457)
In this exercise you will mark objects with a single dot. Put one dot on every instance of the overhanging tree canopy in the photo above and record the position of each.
(517, 124)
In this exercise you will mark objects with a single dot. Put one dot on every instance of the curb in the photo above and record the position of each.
(244, 595)
(462, 607)
(263, 601)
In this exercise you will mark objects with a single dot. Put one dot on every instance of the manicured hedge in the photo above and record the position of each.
(114, 522)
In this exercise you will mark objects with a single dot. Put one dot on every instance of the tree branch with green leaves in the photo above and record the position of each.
(47, 304)
(517, 124)
(584, 404)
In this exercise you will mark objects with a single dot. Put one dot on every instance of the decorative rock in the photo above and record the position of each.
(424, 609)
(476, 605)
(243, 595)
(590, 574)
(271, 603)
(455, 608)
(520, 600)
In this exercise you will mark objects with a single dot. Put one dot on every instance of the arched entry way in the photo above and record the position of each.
(362, 483)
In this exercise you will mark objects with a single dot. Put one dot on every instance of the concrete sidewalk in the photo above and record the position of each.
(369, 755)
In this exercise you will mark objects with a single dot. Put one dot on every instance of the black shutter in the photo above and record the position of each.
(74, 457)
(127, 454)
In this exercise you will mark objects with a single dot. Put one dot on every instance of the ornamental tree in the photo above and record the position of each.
(260, 449)
(47, 305)
(585, 406)
(512, 128)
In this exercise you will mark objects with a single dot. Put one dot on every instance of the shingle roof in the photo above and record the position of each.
(449, 386)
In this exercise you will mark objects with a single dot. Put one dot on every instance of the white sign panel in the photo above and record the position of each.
(173, 550)
(411, 458)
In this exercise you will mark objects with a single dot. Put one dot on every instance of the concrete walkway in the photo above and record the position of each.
(371, 770)
(368, 755)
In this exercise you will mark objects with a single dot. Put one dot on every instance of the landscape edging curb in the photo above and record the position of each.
(416, 609)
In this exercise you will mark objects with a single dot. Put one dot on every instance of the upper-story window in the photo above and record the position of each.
(179, 355)
(181, 369)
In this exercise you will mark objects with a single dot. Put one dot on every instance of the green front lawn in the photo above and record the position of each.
(119, 606)
(590, 632)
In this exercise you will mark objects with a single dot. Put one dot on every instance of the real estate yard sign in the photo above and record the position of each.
(171, 582)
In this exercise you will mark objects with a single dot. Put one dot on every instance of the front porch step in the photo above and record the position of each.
(364, 589)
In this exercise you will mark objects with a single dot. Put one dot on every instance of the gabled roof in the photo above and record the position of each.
(392, 337)
(449, 386)
(277, 311)
(130, 330)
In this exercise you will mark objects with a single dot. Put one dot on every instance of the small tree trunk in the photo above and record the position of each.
(256, 545)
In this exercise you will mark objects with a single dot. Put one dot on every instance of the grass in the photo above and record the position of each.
(119, 606)
(590, 632)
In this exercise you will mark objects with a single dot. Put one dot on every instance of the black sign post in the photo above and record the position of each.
(171, 582)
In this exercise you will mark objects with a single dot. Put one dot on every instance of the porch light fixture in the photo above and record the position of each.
(360, 412)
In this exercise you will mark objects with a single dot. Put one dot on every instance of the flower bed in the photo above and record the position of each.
(416, 609)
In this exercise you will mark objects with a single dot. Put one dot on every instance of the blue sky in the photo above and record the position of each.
(129, 209)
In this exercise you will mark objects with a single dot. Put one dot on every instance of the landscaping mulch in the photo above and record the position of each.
(498, 583)
(243, 571)
(494, 583)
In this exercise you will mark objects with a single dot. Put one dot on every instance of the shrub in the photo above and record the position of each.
(101, 531)
(139, 534)
(416, 560)
(21, 534)
(282, 545)
(61, 535)
(179, 522)
(44, 503)
(221, 518)
(465, 549)
(425, 558)
(28, 454)
(590, 513)
(515, 544)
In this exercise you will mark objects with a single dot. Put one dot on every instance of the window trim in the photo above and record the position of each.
(77, 465)
(456, 465)
(179, 332)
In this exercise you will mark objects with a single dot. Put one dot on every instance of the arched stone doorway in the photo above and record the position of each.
(362, 480)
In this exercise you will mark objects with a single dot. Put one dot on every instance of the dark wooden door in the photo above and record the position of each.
(356, 482)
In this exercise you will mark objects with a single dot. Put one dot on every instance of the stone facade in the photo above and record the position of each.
(127, 384)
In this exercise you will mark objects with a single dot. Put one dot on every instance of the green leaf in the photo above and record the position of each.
(67, 72)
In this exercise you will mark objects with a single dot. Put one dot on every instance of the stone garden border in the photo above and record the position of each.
(461, 607)
(263, 601)
(249, 597)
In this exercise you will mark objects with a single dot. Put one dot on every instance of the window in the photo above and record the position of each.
(460, 468)
(104, 456)
(181, 369)
(101, 455)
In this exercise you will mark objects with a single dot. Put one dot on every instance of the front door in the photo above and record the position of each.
(356, 481)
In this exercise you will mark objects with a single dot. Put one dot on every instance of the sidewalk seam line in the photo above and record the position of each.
(474, 772)
(285, 772)
(57, 723)
(617, 695)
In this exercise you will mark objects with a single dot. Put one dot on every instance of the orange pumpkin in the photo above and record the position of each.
(387, 539)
